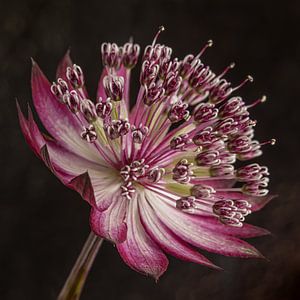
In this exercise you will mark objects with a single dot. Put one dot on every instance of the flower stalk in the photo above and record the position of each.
(75, 282)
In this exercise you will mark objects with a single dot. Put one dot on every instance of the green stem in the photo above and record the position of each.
(73, 286)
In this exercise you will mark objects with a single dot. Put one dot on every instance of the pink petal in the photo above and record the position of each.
(110, 223)
(26, 131)
(57, 118)
(188, 228)
(62, 66)
(246, 231)
(82, 184)
(167, 240)
(139, 251)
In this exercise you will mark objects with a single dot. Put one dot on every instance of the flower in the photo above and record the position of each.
(161, 178)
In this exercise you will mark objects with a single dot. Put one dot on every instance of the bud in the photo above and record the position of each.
(104, 108)
(114, 87)
(111, 55)
(178, 112)
(130, 55)
(75, 76)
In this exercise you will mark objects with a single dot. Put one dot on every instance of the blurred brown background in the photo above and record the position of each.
(43, 224)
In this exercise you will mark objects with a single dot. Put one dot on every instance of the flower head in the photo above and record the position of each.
(159, 177)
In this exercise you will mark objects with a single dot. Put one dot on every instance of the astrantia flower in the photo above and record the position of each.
(160, 178)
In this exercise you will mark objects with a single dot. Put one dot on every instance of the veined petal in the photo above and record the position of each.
(139, 251)
(166, 239)
(24, 124)
(110, 223)
(63, 65)
(57, 118)
(246, 231)
(187, 228)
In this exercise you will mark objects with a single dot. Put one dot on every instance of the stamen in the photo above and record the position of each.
(232, 212)
(180, 142)
(134, 171)
(139, 133)
(114, 87)
(182, 172)
(160, 30)
(258, 101)
(205, 112)
(130, 55)
(156, 174)
(185, 203)
(178, 112)
(249, 78)
(208, 44)
(202, 191)
(75, 76)
(87, 108)
(72, 100)
(256, 188)
(104, 108)
(89, 134)
(111, 55)
(59, 89)
(231, 66)
(222, 171)
(251, 172)
(128, 190)
(270, 142)
(153, 93)
(117, 128)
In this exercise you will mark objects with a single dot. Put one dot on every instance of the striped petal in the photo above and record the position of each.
(139, 251)
(193, 232)
(110, 224)
(57, 118)
(166, 239)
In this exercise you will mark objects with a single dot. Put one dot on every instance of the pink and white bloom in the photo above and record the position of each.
(161, 177)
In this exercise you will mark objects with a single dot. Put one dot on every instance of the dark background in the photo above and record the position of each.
(43, 224)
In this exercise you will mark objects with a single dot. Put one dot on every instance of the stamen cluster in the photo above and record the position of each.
(214, 128)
